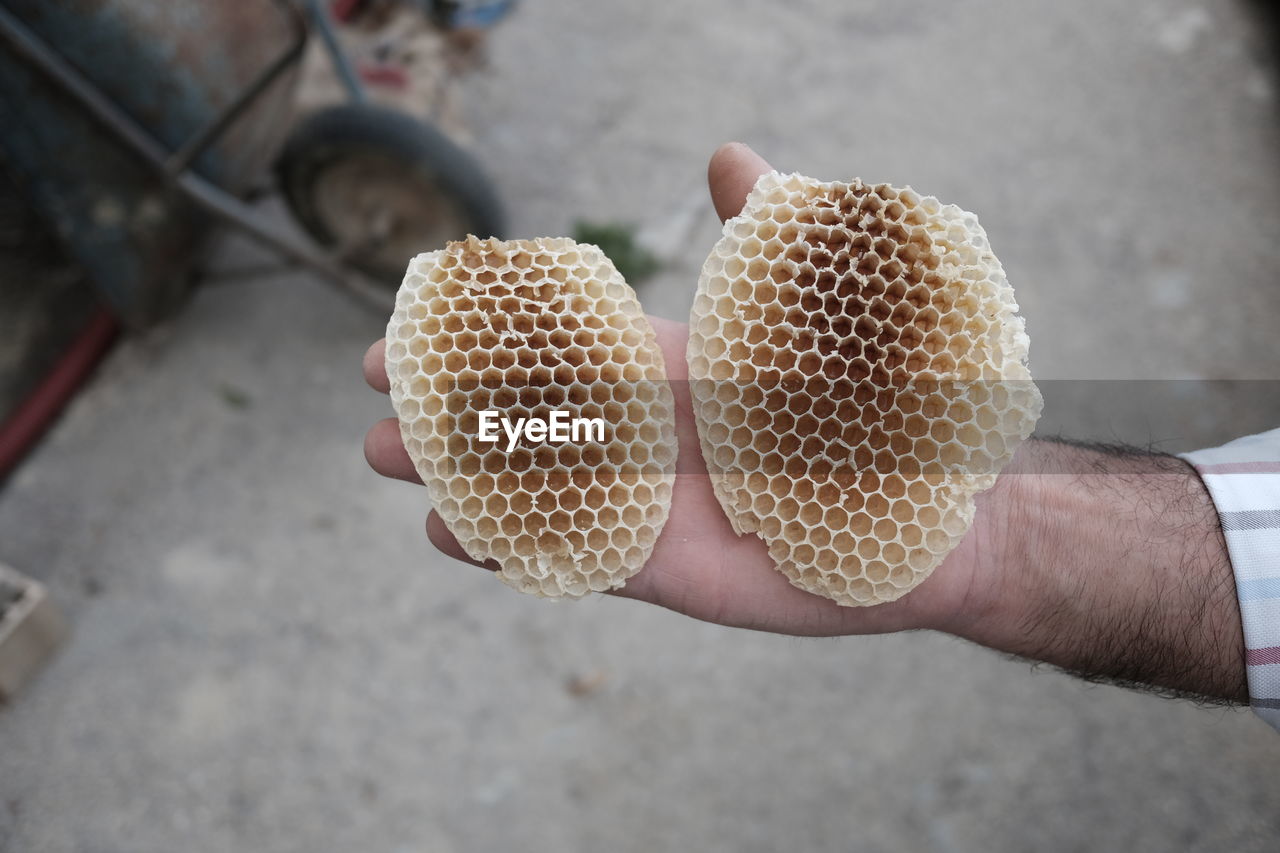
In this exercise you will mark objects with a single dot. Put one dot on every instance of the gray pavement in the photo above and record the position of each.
(268, 656)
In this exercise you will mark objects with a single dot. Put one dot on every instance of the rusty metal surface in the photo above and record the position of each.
(171, 65)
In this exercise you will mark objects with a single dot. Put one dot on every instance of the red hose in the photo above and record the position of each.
(34, 414)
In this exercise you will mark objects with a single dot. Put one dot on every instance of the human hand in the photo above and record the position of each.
(699, 566)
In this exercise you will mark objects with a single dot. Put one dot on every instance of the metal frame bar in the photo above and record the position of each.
(207, 195)
(186, 154)
(346, 73)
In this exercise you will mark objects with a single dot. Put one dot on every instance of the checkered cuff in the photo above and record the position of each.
(1243, 478)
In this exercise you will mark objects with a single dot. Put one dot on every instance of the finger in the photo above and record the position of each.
(731, 174)
(385, 452)
(673, 340)
(440, 537)
(375, 367)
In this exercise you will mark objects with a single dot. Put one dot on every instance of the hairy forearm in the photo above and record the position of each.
(1109, 564)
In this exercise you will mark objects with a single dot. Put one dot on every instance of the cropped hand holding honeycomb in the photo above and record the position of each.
(525, 328)
(858, 374)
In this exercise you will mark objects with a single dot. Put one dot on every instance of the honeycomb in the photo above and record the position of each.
(525, 328)
(858, 374)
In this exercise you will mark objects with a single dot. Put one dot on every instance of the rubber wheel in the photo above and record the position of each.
(380, 187)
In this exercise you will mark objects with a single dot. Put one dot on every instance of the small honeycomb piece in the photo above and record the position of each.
(522, 329)
(858, 374)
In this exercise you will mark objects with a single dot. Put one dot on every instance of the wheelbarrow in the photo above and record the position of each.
(136, 124)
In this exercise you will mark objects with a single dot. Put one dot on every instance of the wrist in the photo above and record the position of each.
(1109, 564)
(1006, 522)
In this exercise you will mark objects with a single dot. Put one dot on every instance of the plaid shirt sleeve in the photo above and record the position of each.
(1243, 478)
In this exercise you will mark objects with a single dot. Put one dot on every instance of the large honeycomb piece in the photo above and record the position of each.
(858, 373)
(524, 328)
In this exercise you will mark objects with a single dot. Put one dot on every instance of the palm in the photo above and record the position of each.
(700, 567)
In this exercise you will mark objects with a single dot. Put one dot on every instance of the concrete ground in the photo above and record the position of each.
(268, 656)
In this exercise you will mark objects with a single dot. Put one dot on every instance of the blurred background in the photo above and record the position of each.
(264, 653)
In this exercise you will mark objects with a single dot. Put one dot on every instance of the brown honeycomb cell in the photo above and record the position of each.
(522, 329)
(858, 373)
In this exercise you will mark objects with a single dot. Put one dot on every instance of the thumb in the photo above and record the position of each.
(731, 174)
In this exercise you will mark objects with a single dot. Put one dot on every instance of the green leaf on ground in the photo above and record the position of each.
(618, 241)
